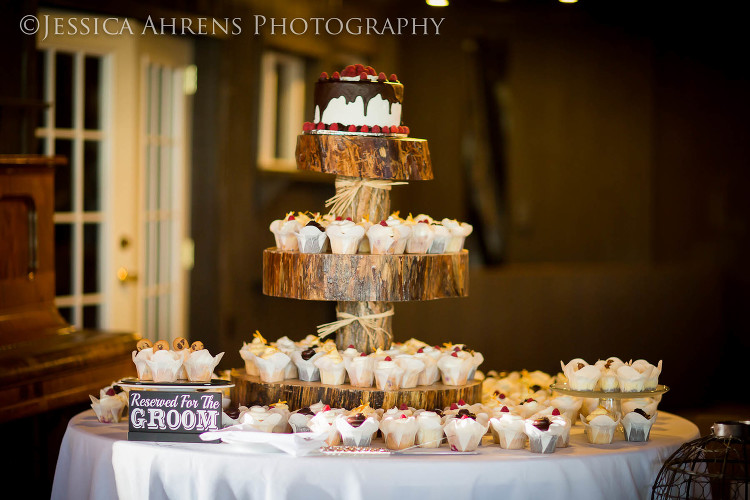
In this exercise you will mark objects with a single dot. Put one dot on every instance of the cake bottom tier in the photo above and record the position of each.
(250, 390)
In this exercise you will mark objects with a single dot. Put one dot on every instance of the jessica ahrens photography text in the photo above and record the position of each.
(47, 25)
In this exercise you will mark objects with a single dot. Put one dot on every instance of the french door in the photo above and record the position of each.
(119, 109)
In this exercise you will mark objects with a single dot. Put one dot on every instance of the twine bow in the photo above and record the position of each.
(368, 322)
(347, 189)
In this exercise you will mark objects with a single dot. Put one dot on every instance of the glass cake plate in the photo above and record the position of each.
(612, 401)
(181, 385)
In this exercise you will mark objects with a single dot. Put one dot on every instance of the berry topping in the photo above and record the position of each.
(349, 219)
(382, 77)
(335, 76)
(403, 407)
(321, 126)
(370, 70)
(363, 76)
(364, 128)
(401, 130)
(424, 221)
(351, 346)
(291, 217)
(393, 77)
(383, 223)
(530, 400)
(457, 348)
(307, 126)
(394, 129)
(501, 396)
(352, 128)
(461, 402)
(387, 358)
(454, 354)
(363, 354)
(339, 218)
(326, 408)
(555, 412)
(110, 392)
(333, 126)
(349, 71)
(323, 76)
(505, 409)
(376, 129)
(359, 68)
(406, 130)
(437, 347)
(404, 415)
(421, 350)
(454, 406)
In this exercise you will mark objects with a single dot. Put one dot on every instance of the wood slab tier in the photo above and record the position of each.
(370, 157)
(249, 390)
(365, 277)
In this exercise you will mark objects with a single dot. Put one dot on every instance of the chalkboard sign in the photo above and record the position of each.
(173, 416)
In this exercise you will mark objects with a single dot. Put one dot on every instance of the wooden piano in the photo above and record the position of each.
(45, 363)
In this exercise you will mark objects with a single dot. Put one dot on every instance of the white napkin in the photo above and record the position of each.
(298, 444)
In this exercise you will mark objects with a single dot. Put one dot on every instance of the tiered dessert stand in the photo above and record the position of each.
(364, 285)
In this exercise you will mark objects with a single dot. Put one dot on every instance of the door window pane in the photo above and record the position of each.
(64, 90)
(91, 176)
(63, 259)
(92, 93)
(64, 177)
(90, 258)
(91, 317)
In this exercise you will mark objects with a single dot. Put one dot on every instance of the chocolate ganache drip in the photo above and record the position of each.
(327, 91)
(307, 354)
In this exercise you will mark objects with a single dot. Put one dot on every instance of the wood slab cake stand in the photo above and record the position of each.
(362, 284)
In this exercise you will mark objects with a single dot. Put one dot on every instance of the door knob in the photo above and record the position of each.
(124, 275)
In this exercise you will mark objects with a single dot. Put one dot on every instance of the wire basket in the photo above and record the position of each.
(715, 466)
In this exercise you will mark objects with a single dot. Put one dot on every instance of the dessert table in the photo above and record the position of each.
(97, 461)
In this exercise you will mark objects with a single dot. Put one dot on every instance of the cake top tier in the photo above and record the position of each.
(358, 100)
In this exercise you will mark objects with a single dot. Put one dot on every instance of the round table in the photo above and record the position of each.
(97, 461)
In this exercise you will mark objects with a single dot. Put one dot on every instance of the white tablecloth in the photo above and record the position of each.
(97, 461)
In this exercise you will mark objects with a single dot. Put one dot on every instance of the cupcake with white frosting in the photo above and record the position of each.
(332, 368)
(458, 231)
(260, 418)
(312, 238)
(508, 430)
(429, 429)
(399, 432)
(441, 239)
(272, 364)
(164, 365)
(344, 236)
(412, 367)
(600, 426)
(388, 374)
(360, 370)
(455, 369)
(422, 235)
(304, 360)
(465, 433)
(285, 232)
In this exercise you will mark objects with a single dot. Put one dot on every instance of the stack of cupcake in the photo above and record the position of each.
(313, 233)
(158, 363)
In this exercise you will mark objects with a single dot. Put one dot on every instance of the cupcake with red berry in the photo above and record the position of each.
(454, 369)
(285, 232)
(508, 430)
(399, 432)
(388, 374)
(360, 370)
(429, 429)
(344, 236)
(465, 433)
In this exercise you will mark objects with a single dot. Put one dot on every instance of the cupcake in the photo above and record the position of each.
(200, 365)
(299, 420)
(304, 360)
(382, 238)
(164, 365)
(631, 380)
(412, 367)
(440, 240)
(284, 231)
(608, 382)
(251, 350)
(454, 369)
(272, 364)
(399, 432)
(581, 376)
(323, 423)
(648, 405)
(560, 425)
(388, 374)
(508, 431)
(422, 234)
(600, 426)
(360, 370)
(312, 238)
(637, 425)
(260, 418)
(465, 433)
(285, 345)
(344, 236)
(429, 429)
(431, 373)
(458, 231)
(332, 368)
(649, 371)
(569, 407)
(108, 409)
(141, 355)
(542, 438)
(357, 429)
(282, 409)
